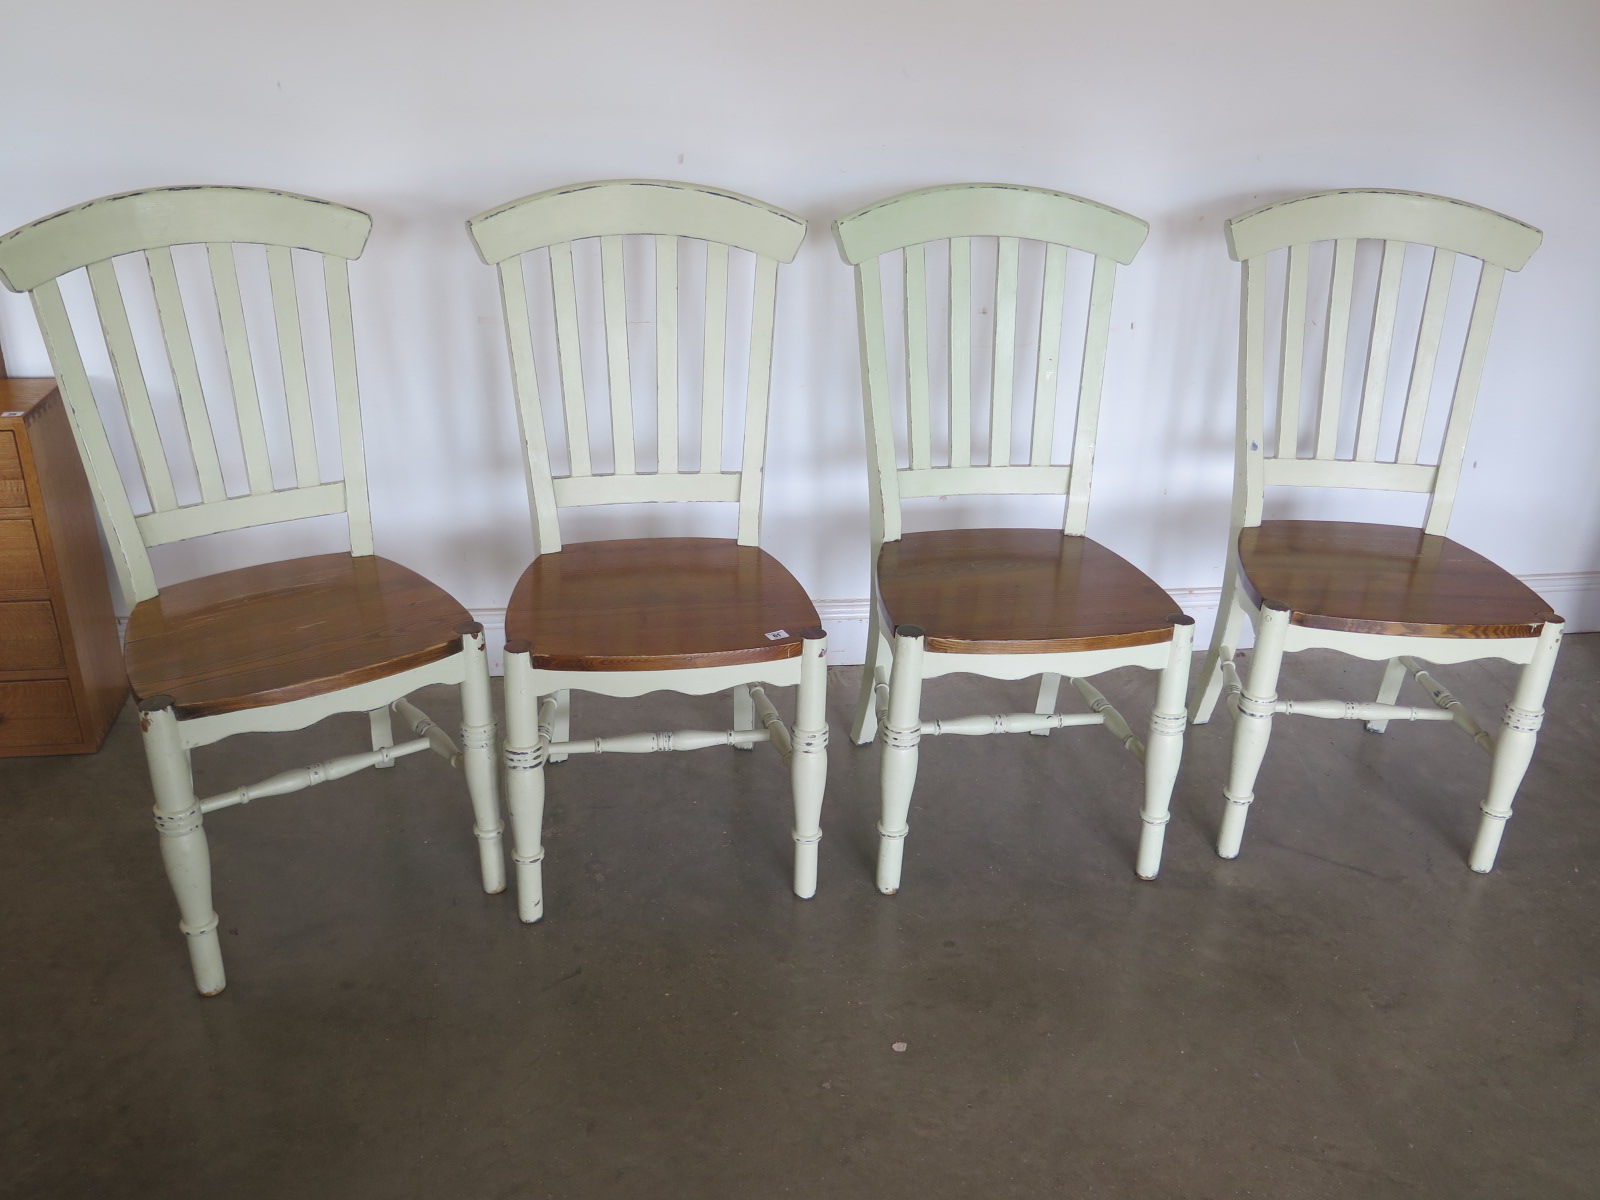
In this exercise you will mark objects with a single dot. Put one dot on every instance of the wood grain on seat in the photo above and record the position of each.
(1387, 579)
(1019, 591)
(287, 630)
(646, 604)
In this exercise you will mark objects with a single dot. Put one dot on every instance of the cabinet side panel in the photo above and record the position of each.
(64, 516)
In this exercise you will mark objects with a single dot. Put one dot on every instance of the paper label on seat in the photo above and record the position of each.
(776, 635)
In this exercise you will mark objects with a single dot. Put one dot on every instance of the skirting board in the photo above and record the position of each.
(1575, 595)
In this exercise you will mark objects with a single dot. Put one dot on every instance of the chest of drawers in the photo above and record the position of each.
(61, 675)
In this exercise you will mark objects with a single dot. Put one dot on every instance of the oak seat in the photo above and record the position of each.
(652, 604)
(1020, 591)
(1384, 579)
(281, 631)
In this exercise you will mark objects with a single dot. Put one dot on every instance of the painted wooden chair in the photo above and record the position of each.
(627, 617)
(1004, 603)
(272, 647)
(1415, 314)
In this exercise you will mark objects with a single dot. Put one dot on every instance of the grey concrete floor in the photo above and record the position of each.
(1344, 1011)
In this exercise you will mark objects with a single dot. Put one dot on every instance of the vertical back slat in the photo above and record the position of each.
(1465, 396)
(757, 393)
(1002, 374)
(347, 398)
(1294, 351)
(292, 360)
(134, 574)
(130, 383)
(565, 294)
(917, 414)
(666, 353)
(530, 421)
(1249, 484)
(612, 287)
(1089, 382)
(960, 352)
(185, 373)
(241, 374)
(713, 375)
(1046, 379)
(1375, 382)
(885, 513)
(1426, 358)
(1332, 395)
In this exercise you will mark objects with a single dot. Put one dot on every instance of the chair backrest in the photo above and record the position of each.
(643, 228)
(1075, 305)
(1404, 308)
(124, 245)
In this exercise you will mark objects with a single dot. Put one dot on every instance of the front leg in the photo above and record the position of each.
(808, 759)
(184, 849)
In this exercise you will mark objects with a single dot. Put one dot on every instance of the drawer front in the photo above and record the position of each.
(13, 494)
(28, 637)
(37, 713)
(21, 568)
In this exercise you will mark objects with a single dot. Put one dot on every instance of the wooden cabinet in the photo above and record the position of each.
(61, 675)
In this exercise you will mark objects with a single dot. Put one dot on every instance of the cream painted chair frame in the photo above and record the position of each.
(1396, 219)
(145, 226)
(890, 701)
(537, 722)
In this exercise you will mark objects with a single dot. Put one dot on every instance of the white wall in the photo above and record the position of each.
(1183, 113)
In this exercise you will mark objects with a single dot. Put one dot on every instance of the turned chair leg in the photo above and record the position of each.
(1164, 749)
(744, 714)
(808, 759)
(900, 733)
(525, 753)
(1513, 749)
(1253, 727)
(864, 725)
(184, 850)
(1394, 674)
(478, 757)
(1224, 645)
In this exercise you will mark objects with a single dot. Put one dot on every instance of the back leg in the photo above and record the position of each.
(880, 660)
(1049, 692)
(1388, 691)
(1224, 644)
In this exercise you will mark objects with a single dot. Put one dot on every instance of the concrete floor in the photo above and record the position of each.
(1344, 1011)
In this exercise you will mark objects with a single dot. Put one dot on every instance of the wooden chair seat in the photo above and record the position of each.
(651, 604)
(1019, 591)
(1384, 579)
(283, 631)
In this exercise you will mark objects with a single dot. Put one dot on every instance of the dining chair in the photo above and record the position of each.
(625, 617)
(212, 334)
(1365, 320)
(1002, 603)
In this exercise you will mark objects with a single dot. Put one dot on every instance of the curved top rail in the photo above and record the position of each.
(988, 210)
(637, 206)
(173, 216)
(1455, 225)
